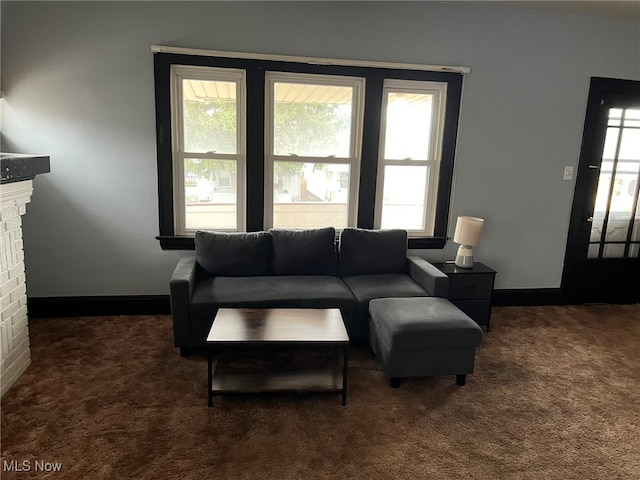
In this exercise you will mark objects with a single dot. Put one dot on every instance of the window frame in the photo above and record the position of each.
(434, 156)
(255, 68)
(179, 73)
(355, 146)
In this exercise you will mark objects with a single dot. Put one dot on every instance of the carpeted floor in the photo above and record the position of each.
(555, 395)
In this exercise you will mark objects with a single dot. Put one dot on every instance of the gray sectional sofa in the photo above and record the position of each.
(295, 268)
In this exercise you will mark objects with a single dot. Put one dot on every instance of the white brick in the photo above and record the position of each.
(20, 329)
(3, 253)
(9, 311)
(13, 371)
(5, 300)
(9, 211)
(5, 335)
(7, 287)
(13, 223)
(18, 292)
(17, 350)
(16, 270)
(11, 255)
(14, 248)
(21, 311)
(19, 354)
(15, 361)
(16, 234)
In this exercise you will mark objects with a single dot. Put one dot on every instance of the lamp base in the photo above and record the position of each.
(464, 258)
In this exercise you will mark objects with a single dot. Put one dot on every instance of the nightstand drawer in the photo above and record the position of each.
(478, 310)
(470, 286)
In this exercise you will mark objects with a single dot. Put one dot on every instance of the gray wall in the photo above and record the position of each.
(78, 82)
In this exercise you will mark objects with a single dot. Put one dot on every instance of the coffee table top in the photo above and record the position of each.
(278, 325)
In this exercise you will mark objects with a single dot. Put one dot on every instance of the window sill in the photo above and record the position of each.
(176, 242)
(184, 242)
(427, 243)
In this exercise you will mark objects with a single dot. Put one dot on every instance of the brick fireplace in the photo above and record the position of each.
(15, 193)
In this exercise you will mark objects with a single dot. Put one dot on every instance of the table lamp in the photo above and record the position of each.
(468, 231)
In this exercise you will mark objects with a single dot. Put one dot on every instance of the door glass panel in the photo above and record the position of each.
(596, 227)
(634, 250)
(630, 144)
(636, 224)
(632, 118)
(615, 116)
(624, 187)
(610, 144)
(617, 227)
(210, 194)
(408, 126)
(209, 116)
(594, 249)
(604, 185)
(310, 195)
(613, 251)
(403, 203)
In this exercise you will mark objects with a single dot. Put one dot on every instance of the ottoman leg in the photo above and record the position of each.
(461, 380)
(395, 382)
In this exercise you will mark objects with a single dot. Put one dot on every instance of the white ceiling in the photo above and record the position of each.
(624, 9)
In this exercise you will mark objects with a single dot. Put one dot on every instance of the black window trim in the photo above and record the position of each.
(255, 78)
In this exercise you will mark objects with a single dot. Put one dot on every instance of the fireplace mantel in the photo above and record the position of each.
(16, 167)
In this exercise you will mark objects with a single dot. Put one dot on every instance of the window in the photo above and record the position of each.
(251, 142)
(615, 227)
(313, 150)
(208, 159)
(409, 156)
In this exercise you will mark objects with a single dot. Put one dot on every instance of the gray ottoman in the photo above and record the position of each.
(422, 337)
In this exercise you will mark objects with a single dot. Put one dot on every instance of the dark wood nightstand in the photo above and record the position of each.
(470, 289)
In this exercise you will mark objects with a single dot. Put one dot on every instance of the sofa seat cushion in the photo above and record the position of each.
(367, 287)
(300, 291)
(421, 323)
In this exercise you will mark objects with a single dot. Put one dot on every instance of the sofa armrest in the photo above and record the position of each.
(181, 289)
(427, 276)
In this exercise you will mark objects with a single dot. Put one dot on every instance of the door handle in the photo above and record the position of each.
(596, 167)
(590, 219)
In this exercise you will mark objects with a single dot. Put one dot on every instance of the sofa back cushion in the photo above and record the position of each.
(233, 254)
(367, 252)
(303, 252)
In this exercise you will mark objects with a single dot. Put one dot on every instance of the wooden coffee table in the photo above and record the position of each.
(236, 329)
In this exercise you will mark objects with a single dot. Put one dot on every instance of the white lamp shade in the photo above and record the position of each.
(468, 230)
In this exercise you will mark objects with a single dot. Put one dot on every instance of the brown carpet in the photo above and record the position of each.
(555, 395)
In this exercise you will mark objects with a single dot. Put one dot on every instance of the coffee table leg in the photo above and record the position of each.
(345, 369)
(210, 379)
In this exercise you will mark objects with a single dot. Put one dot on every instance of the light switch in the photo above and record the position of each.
(568, 173)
